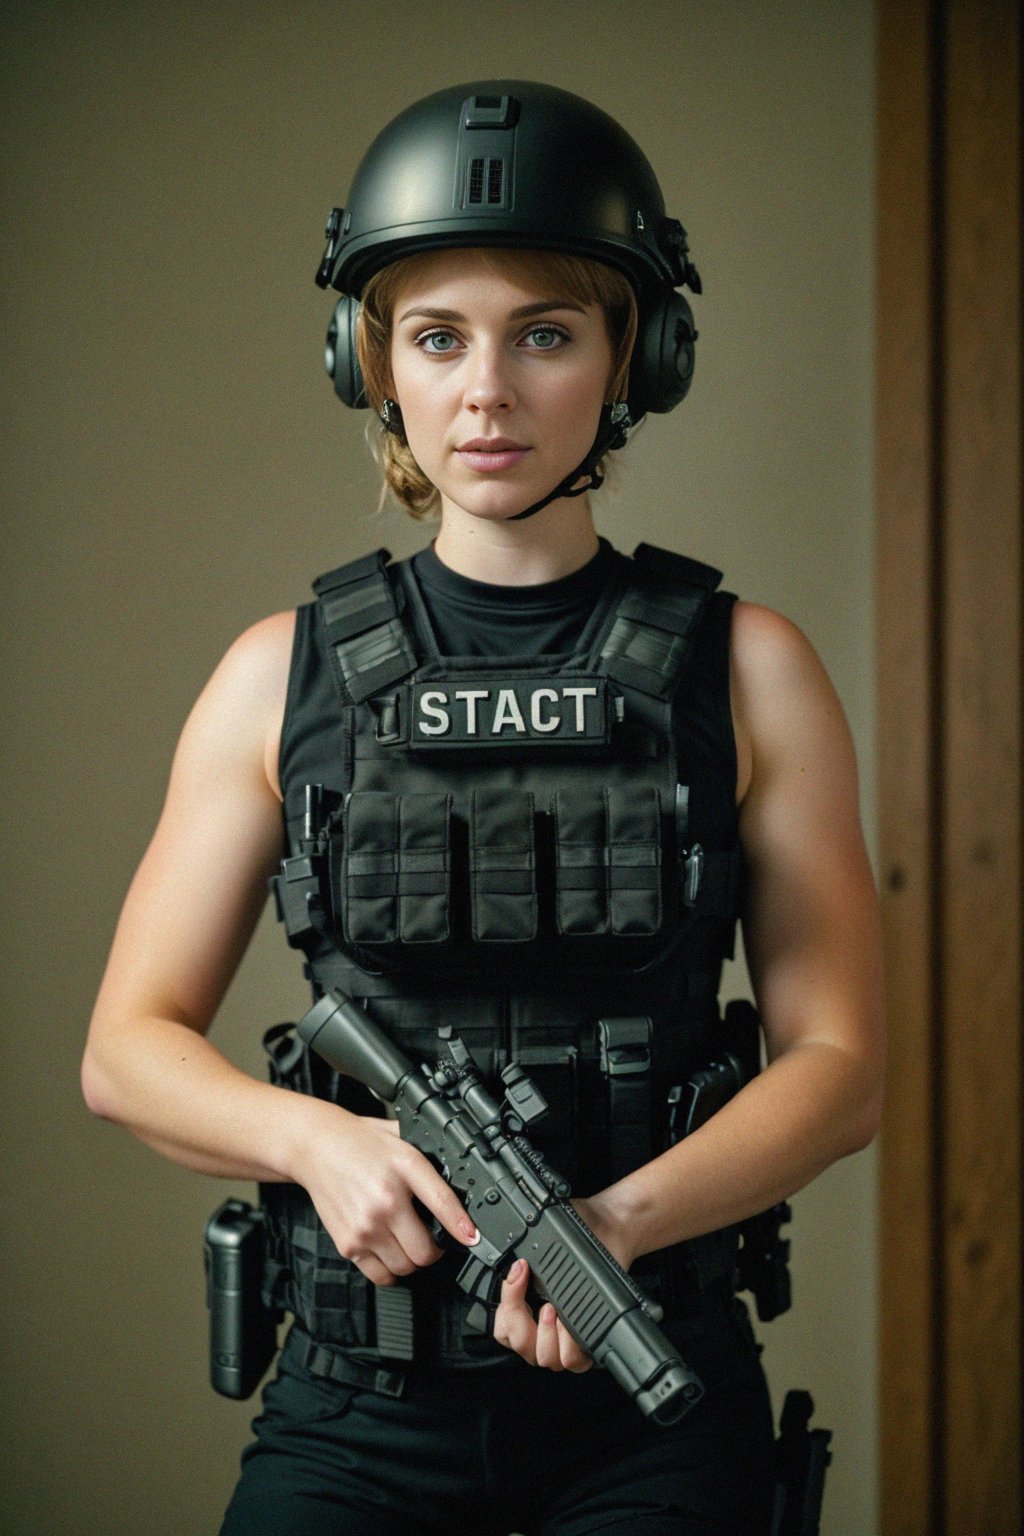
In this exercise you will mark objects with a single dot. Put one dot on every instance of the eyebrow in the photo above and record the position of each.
(543, 307)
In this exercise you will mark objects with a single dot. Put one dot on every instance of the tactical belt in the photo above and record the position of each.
(386, 1374)
(331, 1365)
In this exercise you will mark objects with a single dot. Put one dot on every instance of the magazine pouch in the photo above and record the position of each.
(608, 861)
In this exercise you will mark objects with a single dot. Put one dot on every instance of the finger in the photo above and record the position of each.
(370, 1265)
(442, 1201)
(415, 1239)
(573, 1356)
(549, 1352)
(513, 1321)
(378, 1237)
(387, 1258)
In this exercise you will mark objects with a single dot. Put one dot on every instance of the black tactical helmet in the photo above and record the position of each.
(507, 163)
(525, 166)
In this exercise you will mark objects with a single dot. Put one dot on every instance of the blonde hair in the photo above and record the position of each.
(574, 277)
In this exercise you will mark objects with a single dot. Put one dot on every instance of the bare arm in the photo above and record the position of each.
(187, 919)
(812, 937)
(186, 922)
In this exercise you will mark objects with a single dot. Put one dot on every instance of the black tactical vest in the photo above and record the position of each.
(542, 852)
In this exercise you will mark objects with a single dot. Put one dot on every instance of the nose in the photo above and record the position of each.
(488, 381)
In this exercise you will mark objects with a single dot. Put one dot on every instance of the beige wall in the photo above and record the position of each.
(178, 467)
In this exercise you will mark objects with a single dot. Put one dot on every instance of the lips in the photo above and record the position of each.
(491, 453)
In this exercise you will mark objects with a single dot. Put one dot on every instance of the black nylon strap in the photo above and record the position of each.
(625, 1045)
(367, 642)
(651, 638)
(354, 570)
(331, 1365)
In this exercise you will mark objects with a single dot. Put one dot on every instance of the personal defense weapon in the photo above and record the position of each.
(520, 1205)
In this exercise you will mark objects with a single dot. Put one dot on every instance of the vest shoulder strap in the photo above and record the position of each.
(646, 646)
(651, 636)
(367, 641)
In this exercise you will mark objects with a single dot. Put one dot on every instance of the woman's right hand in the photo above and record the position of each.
(363, 1178)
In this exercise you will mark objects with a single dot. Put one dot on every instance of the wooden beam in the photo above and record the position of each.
(907, 445)
(982, 694)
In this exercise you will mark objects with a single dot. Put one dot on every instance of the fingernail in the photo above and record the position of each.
(469, 1232)
(547, 1313)
(516, 1272)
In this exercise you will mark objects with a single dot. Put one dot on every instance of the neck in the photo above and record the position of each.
(555, 542)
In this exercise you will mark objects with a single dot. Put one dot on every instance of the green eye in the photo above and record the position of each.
(437, 341)
(546, 338)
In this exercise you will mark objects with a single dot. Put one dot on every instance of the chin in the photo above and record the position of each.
(495, 504)
(498, 503)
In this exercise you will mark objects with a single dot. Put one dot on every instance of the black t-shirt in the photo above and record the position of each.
(479, 618)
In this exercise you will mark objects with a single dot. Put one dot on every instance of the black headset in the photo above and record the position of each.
(660, 368)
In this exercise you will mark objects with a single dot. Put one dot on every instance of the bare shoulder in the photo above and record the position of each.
(770, 651)
(240, 712)
(259, 659)
(784, 705)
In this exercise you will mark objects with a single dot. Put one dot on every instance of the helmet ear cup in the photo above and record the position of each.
(661, 367)
(340, 357)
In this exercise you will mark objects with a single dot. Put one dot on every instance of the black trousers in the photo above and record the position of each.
(499, 1448)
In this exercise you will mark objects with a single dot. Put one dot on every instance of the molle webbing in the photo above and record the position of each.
(626, 1065)
(540, 837)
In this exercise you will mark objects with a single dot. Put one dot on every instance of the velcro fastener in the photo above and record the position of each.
(638, 655)
(354, 609)
(651, 636)
(367, 642)
(372, 661)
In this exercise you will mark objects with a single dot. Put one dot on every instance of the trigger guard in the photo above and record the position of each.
(480, 1282)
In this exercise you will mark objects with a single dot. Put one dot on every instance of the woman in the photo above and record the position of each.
(521, 778)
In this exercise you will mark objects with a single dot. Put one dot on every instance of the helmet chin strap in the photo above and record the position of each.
(613, 431)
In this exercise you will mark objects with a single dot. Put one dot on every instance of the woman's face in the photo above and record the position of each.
(500, 385)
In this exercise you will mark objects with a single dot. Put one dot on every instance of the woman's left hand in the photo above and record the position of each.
(545, 1340)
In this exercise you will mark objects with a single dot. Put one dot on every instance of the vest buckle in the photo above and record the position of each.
(625, 1046)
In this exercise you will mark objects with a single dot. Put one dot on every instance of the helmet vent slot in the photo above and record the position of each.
(486, 183)
(476, 181)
